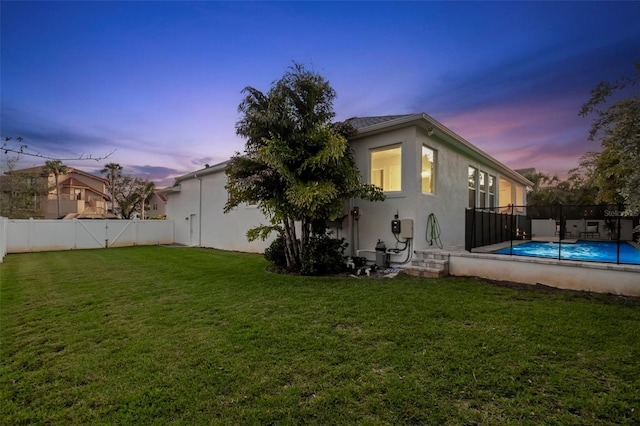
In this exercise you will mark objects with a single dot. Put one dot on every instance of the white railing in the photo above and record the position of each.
(29, 235)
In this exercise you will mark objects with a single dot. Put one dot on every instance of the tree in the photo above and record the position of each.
(56, 168)
(113, 172)
(146, 189)
(20, 191)
(617, 126)
(131, 193)
(544, 191)
(297, 166)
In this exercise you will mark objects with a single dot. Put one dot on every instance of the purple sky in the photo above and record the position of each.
(160, 82)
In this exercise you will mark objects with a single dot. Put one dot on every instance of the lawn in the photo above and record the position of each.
(157, 335)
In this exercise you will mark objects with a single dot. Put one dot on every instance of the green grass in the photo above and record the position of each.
(154, 335)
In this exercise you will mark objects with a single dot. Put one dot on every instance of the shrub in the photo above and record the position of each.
(275, 253)
(323, 255)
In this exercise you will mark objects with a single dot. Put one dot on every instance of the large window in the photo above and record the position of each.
(386, 168)
(519, 198)
(505, 195)
(473, 182)
(484, 182)
(492, 191)
(428, 173)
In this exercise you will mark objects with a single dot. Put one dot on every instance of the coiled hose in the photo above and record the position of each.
(433, 231)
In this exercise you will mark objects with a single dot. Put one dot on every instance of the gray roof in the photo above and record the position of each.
(362, 122)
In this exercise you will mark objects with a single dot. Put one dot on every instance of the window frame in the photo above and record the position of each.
(372, 151)
(434, 169)
(473, 187)
(491, 190)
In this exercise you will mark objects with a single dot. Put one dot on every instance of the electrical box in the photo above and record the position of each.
(395, 226)
(406, 228)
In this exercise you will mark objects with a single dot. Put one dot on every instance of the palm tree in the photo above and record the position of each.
(114, 172)
(146, 190)
(56, 168)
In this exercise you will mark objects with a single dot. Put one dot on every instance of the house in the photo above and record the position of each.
(424, 169)
(82, 195)
(156, 205)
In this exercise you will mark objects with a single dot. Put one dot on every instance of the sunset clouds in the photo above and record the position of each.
(160, 82)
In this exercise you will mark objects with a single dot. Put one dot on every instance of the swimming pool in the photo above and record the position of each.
(594, 251)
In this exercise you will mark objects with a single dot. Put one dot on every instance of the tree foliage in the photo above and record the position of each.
(56, 168)
(578, 189)
(129, 193)
(617, 125)
(113, 172)
(297, 166)
(20, 191)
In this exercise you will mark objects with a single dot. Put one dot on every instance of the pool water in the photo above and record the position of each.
(595, 251)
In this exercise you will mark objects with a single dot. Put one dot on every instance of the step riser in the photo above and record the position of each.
(438, 264)
(426, 274)
(430, 255)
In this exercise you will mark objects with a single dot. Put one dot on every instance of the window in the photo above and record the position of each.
(519, 198)
(386, 168)
(492, 191)
(428, 170)
(473, 180)
(484, 181)
(505, 196)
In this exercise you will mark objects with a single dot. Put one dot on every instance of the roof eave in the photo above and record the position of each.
(425, 121)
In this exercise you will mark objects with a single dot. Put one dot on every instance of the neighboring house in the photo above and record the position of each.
(156, 205)
(422, 166)
(82, 195)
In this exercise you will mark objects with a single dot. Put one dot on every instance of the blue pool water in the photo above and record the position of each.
(595, 251)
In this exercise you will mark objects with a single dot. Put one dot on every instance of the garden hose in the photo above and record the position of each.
(433, 231)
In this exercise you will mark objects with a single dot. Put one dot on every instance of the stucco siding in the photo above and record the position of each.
(200, 219)
(447, 203)
(450, 198)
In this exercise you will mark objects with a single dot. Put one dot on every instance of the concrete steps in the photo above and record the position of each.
(429, 264)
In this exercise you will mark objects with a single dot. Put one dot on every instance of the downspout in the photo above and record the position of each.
(195, 175)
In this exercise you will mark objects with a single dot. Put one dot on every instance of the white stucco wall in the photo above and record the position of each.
(200, 221)
(570, 275)
(448, 203)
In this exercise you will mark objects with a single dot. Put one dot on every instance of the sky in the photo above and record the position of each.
(156, 85)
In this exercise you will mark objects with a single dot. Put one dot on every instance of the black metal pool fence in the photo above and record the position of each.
(563, 224)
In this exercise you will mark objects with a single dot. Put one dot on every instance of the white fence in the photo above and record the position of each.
(4, 222)
(29, 235)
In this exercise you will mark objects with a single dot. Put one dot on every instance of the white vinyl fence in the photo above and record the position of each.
(29, 235)
(4, 222)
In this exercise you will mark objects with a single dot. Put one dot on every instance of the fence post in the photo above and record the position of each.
(561, 233)
(511, 231)
(618, 213)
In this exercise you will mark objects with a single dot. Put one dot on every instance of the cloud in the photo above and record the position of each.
(50, 138)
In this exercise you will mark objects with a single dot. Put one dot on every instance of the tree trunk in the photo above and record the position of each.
(294, 239)
(57, 194)
(290, 246)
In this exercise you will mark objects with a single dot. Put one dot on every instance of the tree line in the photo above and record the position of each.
(611, 176)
